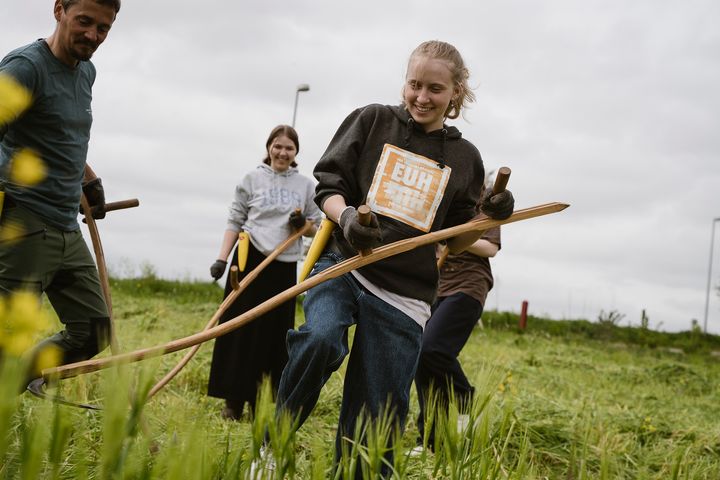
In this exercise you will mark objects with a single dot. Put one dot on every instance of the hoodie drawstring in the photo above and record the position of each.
(408, 134)
(441, 160)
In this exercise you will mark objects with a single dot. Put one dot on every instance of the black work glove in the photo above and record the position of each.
(359, 236)
(499, 206)
(217, 269)
(297, 220)
(95, 194)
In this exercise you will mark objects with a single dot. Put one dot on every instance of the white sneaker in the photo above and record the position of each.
(417, 451)
(262, 467)
(462, 423)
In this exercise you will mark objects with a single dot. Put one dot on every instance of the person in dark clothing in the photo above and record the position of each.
(417, 175)
(49, 254)
(264, 207)
(465, 280)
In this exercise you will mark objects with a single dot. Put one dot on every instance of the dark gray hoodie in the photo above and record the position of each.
(347, 168)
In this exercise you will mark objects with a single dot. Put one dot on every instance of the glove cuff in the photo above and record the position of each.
(91, 183)
(341, 222)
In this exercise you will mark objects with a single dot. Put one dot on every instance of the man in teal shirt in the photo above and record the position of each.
(49, 254)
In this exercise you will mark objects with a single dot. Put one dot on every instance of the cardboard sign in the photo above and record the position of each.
(408, 187)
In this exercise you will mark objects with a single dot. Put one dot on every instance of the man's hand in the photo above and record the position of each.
(499, 206)
(217, 269)
(297, 219)
(95, 194)
(359, 236)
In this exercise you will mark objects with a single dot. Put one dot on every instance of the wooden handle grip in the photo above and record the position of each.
(364, 217)
(501, 180)
(234, 272)
(122, 204)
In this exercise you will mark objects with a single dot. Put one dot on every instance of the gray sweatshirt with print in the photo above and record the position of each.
(263, 202)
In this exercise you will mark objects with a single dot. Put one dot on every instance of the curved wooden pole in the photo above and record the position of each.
(444, 252)
(100, 256)
(353, 263)
(229, 300)
(102, 268)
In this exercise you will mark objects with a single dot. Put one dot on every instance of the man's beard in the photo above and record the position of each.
(83, 55)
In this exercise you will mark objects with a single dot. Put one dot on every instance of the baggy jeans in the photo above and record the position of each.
(382, 363)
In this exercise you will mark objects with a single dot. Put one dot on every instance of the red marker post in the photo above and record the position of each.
(523, 315)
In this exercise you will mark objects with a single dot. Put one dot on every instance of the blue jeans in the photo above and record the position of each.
(382, 364)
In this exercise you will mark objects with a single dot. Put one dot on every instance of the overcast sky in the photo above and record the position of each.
(610, 106)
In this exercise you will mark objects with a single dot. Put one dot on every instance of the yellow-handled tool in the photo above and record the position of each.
(243, 249)
(316, 247)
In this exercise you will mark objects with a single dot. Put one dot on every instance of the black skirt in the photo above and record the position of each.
(244, 356)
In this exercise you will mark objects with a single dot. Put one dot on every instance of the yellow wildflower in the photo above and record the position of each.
(14, 99)
(50, 356)
(11, 231)
(21, 319)
(27, 168)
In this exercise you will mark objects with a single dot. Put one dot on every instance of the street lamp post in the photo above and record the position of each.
(303, 87)
(707, 293)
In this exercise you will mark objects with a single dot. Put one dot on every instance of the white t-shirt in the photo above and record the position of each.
(412, 307)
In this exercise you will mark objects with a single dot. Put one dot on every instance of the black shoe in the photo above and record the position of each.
(35, 386)
(232, 410)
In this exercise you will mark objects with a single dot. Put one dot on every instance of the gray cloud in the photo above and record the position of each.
(609, 106)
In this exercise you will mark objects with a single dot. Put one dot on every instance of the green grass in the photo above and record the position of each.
(561, 400)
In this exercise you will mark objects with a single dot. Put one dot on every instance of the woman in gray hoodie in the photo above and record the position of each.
(264, 206)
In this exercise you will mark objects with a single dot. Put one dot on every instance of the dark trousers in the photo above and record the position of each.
(448, 329)
(243, 357)
(37, 257)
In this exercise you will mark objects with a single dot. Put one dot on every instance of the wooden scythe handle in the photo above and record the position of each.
(364, 217)
(353, 263)
(102, 268)
(444, 252)
(234, 270)
(100, 257)
(122, 204)
(501, 180)
(229, 300)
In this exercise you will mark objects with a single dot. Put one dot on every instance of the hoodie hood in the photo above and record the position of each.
(267, 169)
(413, 128)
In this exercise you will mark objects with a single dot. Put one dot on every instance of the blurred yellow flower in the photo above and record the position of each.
(14, 99)
(11, 231)
(27, 168)
(50, 356)
(21, 319)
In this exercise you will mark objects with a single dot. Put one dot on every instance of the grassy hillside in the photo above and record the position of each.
(563, 400)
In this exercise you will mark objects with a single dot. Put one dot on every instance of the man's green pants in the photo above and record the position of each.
(41, 258)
